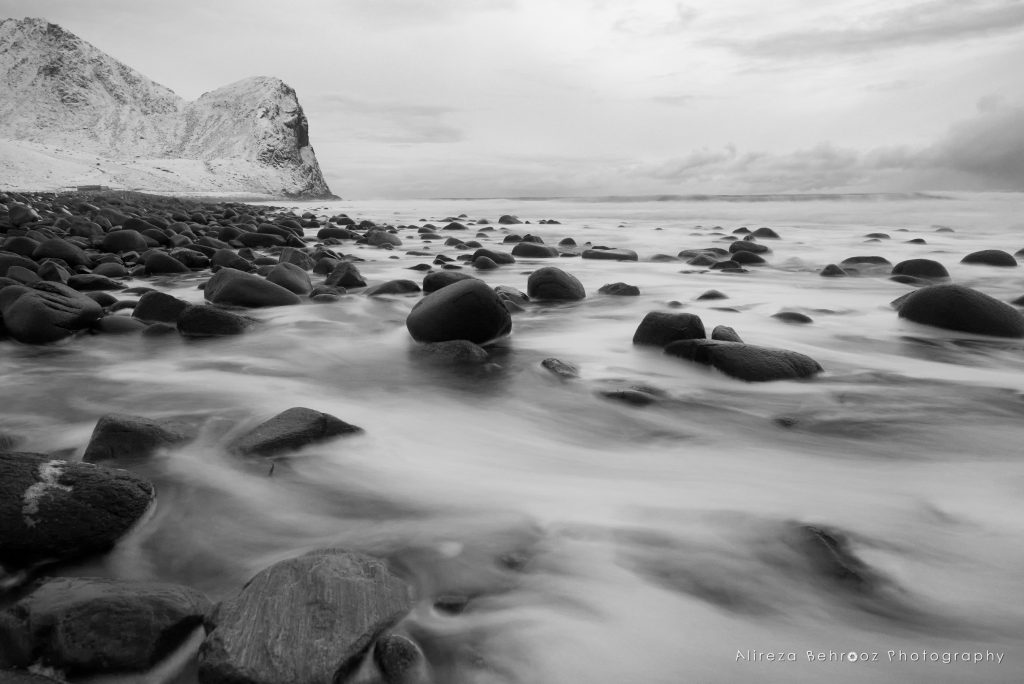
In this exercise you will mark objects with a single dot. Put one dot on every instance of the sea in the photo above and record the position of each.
(557, 535)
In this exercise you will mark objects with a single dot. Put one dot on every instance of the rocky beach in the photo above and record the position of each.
(499, 441)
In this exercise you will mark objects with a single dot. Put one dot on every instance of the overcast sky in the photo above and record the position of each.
(478, 98)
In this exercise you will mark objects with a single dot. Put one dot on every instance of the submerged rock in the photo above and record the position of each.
(956, 307)
(659, 328)
(561, 368)
(619, 290)
(552, 283)
(232, 287)
(307, 620)
(46, 312)
(290, 430)
(990, 257)
(921, 268)
(120, 436)
(86, 625)
(457, 352)
(211, 321)
(55, 510)
(746, 361)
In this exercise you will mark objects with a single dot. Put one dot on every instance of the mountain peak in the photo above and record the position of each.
(66, 97)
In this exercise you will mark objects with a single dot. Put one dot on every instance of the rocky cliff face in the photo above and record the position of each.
(73, 115)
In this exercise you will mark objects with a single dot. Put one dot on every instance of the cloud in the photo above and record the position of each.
(388, 122)
(924, 23)
(667, 21)
(987, 150)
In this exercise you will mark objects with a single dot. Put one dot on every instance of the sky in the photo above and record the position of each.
(513, 98)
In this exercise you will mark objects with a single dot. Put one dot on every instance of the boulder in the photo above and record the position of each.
(157, 263)
(57, 510)
(724, 333)
(619, 290)
(494, 255)
(120, 436)
(291, 277)
(226, 258)
(55, 248)
(154, 306)
(232, 287)
(562, 369)
(660, 328)
(508, 219)
(532, 250)
(118, 241)
(433, 282)
(765, 232)
(748, 246)
(465, 310)
(211, 321)
(307, 620)
(990, 257)
(87, 625)
(610, 254)
(833, 271)
(92, 282)
(392, 287)
(46, 312)
(956, 307)
(746, 361)
(20, 214)
(552, 283)
(921, 268)
(400, 660)
(346, 275)
(288, 431)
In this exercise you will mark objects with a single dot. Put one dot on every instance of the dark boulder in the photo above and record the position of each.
(748, 246)
(346, 275)
(55, 510)
(156, 306)
(119, 436)
(158, 263)
(392, 287)
(765, 232)
(46, 312)
(400, 660)
(746, 361)
(307, 620)
(552, 283)
(226, 258)
(20, 214)
(465, 310)
(921, 268)
(232, 287)
(562, 369)
(494, 255)
(55, 248)
(660, 328)
(288, 431)
(870, 260)
(619, 290)
(433, 282)
(990, 257)
(724, 333)
(833, 271)
(92, 282)
(793, 317)
(956, 307)
(532, 250)
(86, 625)
(118, 241)
(10, 259)
(508, 220)
(211, 321)
(610, 254)
(710, 295)
(290, 277)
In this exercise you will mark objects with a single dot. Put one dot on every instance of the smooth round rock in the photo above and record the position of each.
(619, 290)
(464, 310)
(552, 283)
(232, 287)
(617, 254)
(211, 321)
(291, 277)
(432, 282)
(955, 307)
(290, 430)
(532, 250)
(746, 361)
(921, 268)
(660, 328)
(46, 312)
(990, 257)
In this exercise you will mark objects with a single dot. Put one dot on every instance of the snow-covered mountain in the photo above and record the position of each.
(72, 115)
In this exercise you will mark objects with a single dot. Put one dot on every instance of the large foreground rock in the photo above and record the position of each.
(956, 307)
(465, 310)
(46, 312)
(55, 510)
(232, 287)
(121, 436)
(290, 430)
(84, 625)
(307, 620)
(746, 361)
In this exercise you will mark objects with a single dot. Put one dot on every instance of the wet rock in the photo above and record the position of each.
(748, 246)
(712, 295)
(793, 317)
(157, 306)
(290, 277)
(532, 250)
(158, 263)
(724, 333)
(561, 368)
(727, 265)
(660, 328)
(86, 625)
(119, 241)
(745, 258)
(704, 260)
(111, 270)
(465, 310)
(289, 431)
(432, 282)
(508, 219)
(91, 282)
(10, 259)
(610, 254)
(118, 325)
(392, 287)
(921, 268)
(20, 214)
(120, 436)
(382, 238)
(619, 290)
(494, 255)
(990, 257)
(400, 660)
(765, 232)
(55, 248)
(552, 283)
(56, 510)
(232, 287)
(631, 396)
(746, 361)
(955, 307)
(211, 321)
(456, 352)
(46, 312)
(833, 271)
(304, 620)
(225, 258)
(483, 263)
(346, 275)
(870, 260)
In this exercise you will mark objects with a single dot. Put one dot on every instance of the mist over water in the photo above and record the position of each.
(591, 540)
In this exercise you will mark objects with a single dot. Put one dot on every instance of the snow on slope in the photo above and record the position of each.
(72, 115)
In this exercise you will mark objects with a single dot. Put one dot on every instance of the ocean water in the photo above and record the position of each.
(592, 540)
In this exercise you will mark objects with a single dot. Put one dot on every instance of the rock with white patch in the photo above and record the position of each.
(58, 510)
